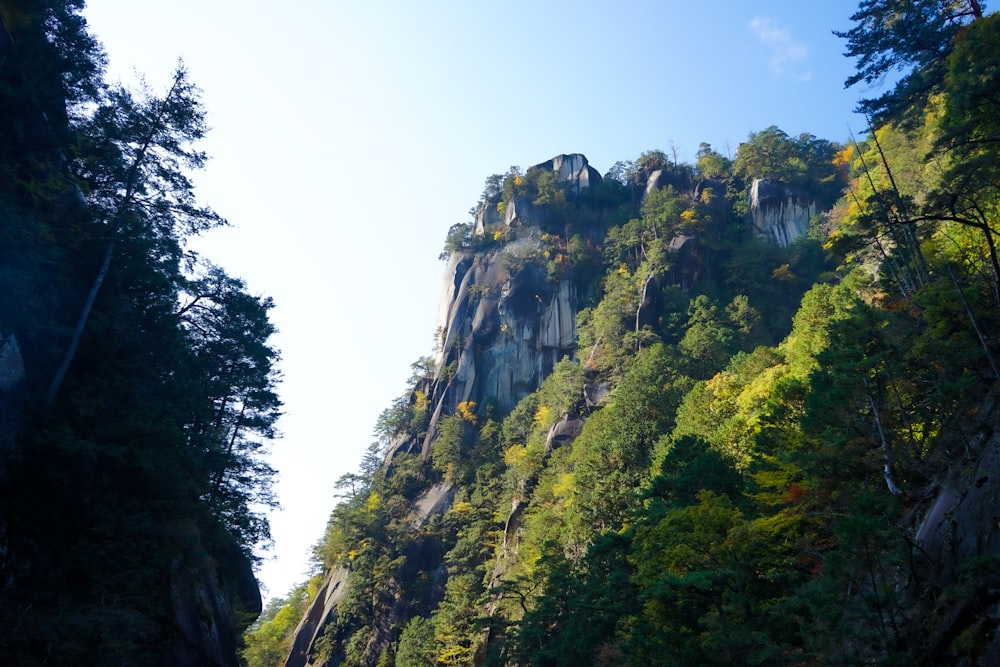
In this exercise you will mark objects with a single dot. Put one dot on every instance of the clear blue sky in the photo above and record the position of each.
(349, 136)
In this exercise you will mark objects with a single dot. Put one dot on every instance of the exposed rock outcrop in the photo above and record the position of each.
(503, 326)
(663, 178)
(435, 501)
(572, 171)
(322, 610)
(961, 528)
(780, 213)
(502, 323)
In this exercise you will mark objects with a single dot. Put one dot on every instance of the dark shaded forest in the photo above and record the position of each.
(138, 383)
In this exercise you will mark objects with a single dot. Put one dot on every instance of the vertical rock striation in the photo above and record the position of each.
(780, 214)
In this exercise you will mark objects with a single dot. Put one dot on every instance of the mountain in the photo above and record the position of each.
(731, 412)
(681, 419)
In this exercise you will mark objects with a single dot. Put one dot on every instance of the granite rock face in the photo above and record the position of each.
(502, 327)
(780, 214)
(573, 171)
(208, 590)
(502, 324)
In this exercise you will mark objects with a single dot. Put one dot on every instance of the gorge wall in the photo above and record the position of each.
(780, 213)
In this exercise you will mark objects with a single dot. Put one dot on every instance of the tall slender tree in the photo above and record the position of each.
(132, 162)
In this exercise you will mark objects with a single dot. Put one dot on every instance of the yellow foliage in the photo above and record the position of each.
(843, 157)
(420, 404)
(498, 235)
(783, 272)
(832, 239)
(563, 488)
(372, 502)
(501, 206)
(461, 507)
(518, 181)
(688, 216)
(721, 385)
(515, 455)
(542, 415)
(623, 270)
(454, 654)
(467, 411)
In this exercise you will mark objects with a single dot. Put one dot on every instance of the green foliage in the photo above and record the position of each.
(268, 640)
(451, 451)
(139, 466)
(748, 490)
(805, 162)
(712, 164)
(613, 454)
(416, 644)
(911, 37)
(461, 238)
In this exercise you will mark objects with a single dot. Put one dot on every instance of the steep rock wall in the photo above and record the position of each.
(960, 528)
(208, 591)
(502, 325)
(780, 214)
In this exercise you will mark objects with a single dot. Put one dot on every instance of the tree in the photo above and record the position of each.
(652, 160)
(228, 331)
(969, 139)
(712, 164)
(131, 162)
(710, 338)
(805, 162)
(416, 644)
(768, 154)
(909, 37)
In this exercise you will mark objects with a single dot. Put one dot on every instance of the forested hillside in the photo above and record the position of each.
(137, 384)
(765, 436)
(740, 411)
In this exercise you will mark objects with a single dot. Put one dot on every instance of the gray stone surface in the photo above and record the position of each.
(780, 214)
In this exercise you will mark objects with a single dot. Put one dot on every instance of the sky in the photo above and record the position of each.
(347, 137)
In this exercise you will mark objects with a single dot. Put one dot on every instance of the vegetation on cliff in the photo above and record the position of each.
(754, 454)
(775, 432)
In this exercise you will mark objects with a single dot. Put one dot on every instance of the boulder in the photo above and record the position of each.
(563, 432)
(574, 170)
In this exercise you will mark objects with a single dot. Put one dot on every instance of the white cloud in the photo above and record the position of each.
(787, 55)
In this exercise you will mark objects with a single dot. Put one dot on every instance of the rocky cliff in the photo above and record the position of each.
(502, 326)
(780, 214)
(502, 323)
(505, 323)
